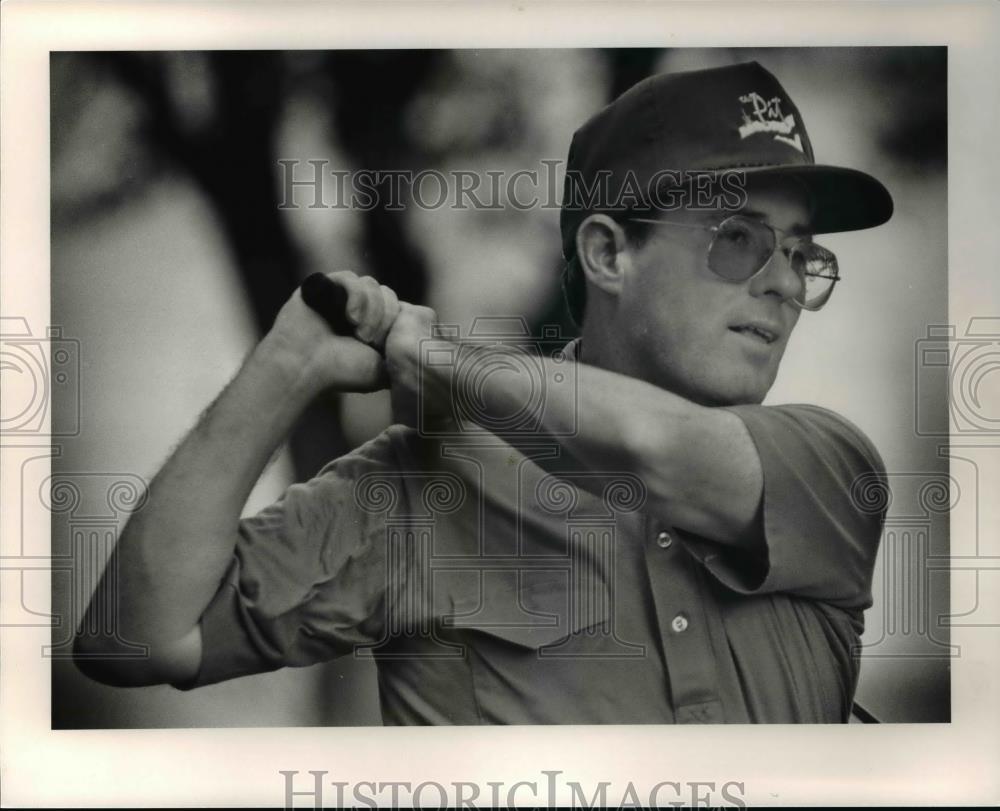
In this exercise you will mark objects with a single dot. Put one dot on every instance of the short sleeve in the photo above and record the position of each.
(307, 579)
(816, 540)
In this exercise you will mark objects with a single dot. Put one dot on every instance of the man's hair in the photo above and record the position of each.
(574, 283)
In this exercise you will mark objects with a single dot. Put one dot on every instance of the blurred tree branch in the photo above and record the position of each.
(371, 118)
(230, 153)
(231, 157)
(916, 134)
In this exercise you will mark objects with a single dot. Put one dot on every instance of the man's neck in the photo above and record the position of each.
(595, 350)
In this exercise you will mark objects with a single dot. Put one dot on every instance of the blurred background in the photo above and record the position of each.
(172, 253)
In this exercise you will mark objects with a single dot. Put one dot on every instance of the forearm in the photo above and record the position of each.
(173, 553)
(699, 465)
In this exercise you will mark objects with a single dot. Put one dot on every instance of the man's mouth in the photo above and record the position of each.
(762, 332)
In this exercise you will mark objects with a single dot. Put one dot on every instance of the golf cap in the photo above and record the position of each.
(671, 128)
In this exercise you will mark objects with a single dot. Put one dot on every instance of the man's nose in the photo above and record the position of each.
(778, 278)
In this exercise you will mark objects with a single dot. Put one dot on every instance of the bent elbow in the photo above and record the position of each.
(106, 663)
(116, 663)
(92, 662)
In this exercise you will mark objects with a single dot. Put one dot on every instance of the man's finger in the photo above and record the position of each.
(391, 311)
(373, 310)
(425, 317)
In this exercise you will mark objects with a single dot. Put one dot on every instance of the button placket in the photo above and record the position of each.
(689, 656)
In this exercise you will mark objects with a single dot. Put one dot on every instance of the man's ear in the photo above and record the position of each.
(600, 249)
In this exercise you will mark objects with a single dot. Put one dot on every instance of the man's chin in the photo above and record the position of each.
(732, 400)
(724, 389)
(729, 394)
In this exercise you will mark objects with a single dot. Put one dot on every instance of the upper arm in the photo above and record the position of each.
(303, 585)
(306, 581)
(815, 537)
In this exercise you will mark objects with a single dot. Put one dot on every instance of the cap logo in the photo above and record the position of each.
(762, 115)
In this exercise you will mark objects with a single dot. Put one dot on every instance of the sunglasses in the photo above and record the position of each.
(742, 247)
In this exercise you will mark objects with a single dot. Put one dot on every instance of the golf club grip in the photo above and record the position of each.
(328, 299)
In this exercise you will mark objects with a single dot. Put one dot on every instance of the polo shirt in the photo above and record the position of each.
(494, 584)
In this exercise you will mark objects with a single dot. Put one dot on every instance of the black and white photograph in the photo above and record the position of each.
(524, 475)
(613, 388)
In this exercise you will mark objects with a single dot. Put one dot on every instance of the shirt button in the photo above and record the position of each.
(679, 624)
(663, 540)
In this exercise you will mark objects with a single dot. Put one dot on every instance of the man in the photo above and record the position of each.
(657, 548)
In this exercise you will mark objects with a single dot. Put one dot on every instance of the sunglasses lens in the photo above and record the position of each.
(741, 247)
(818, 269)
